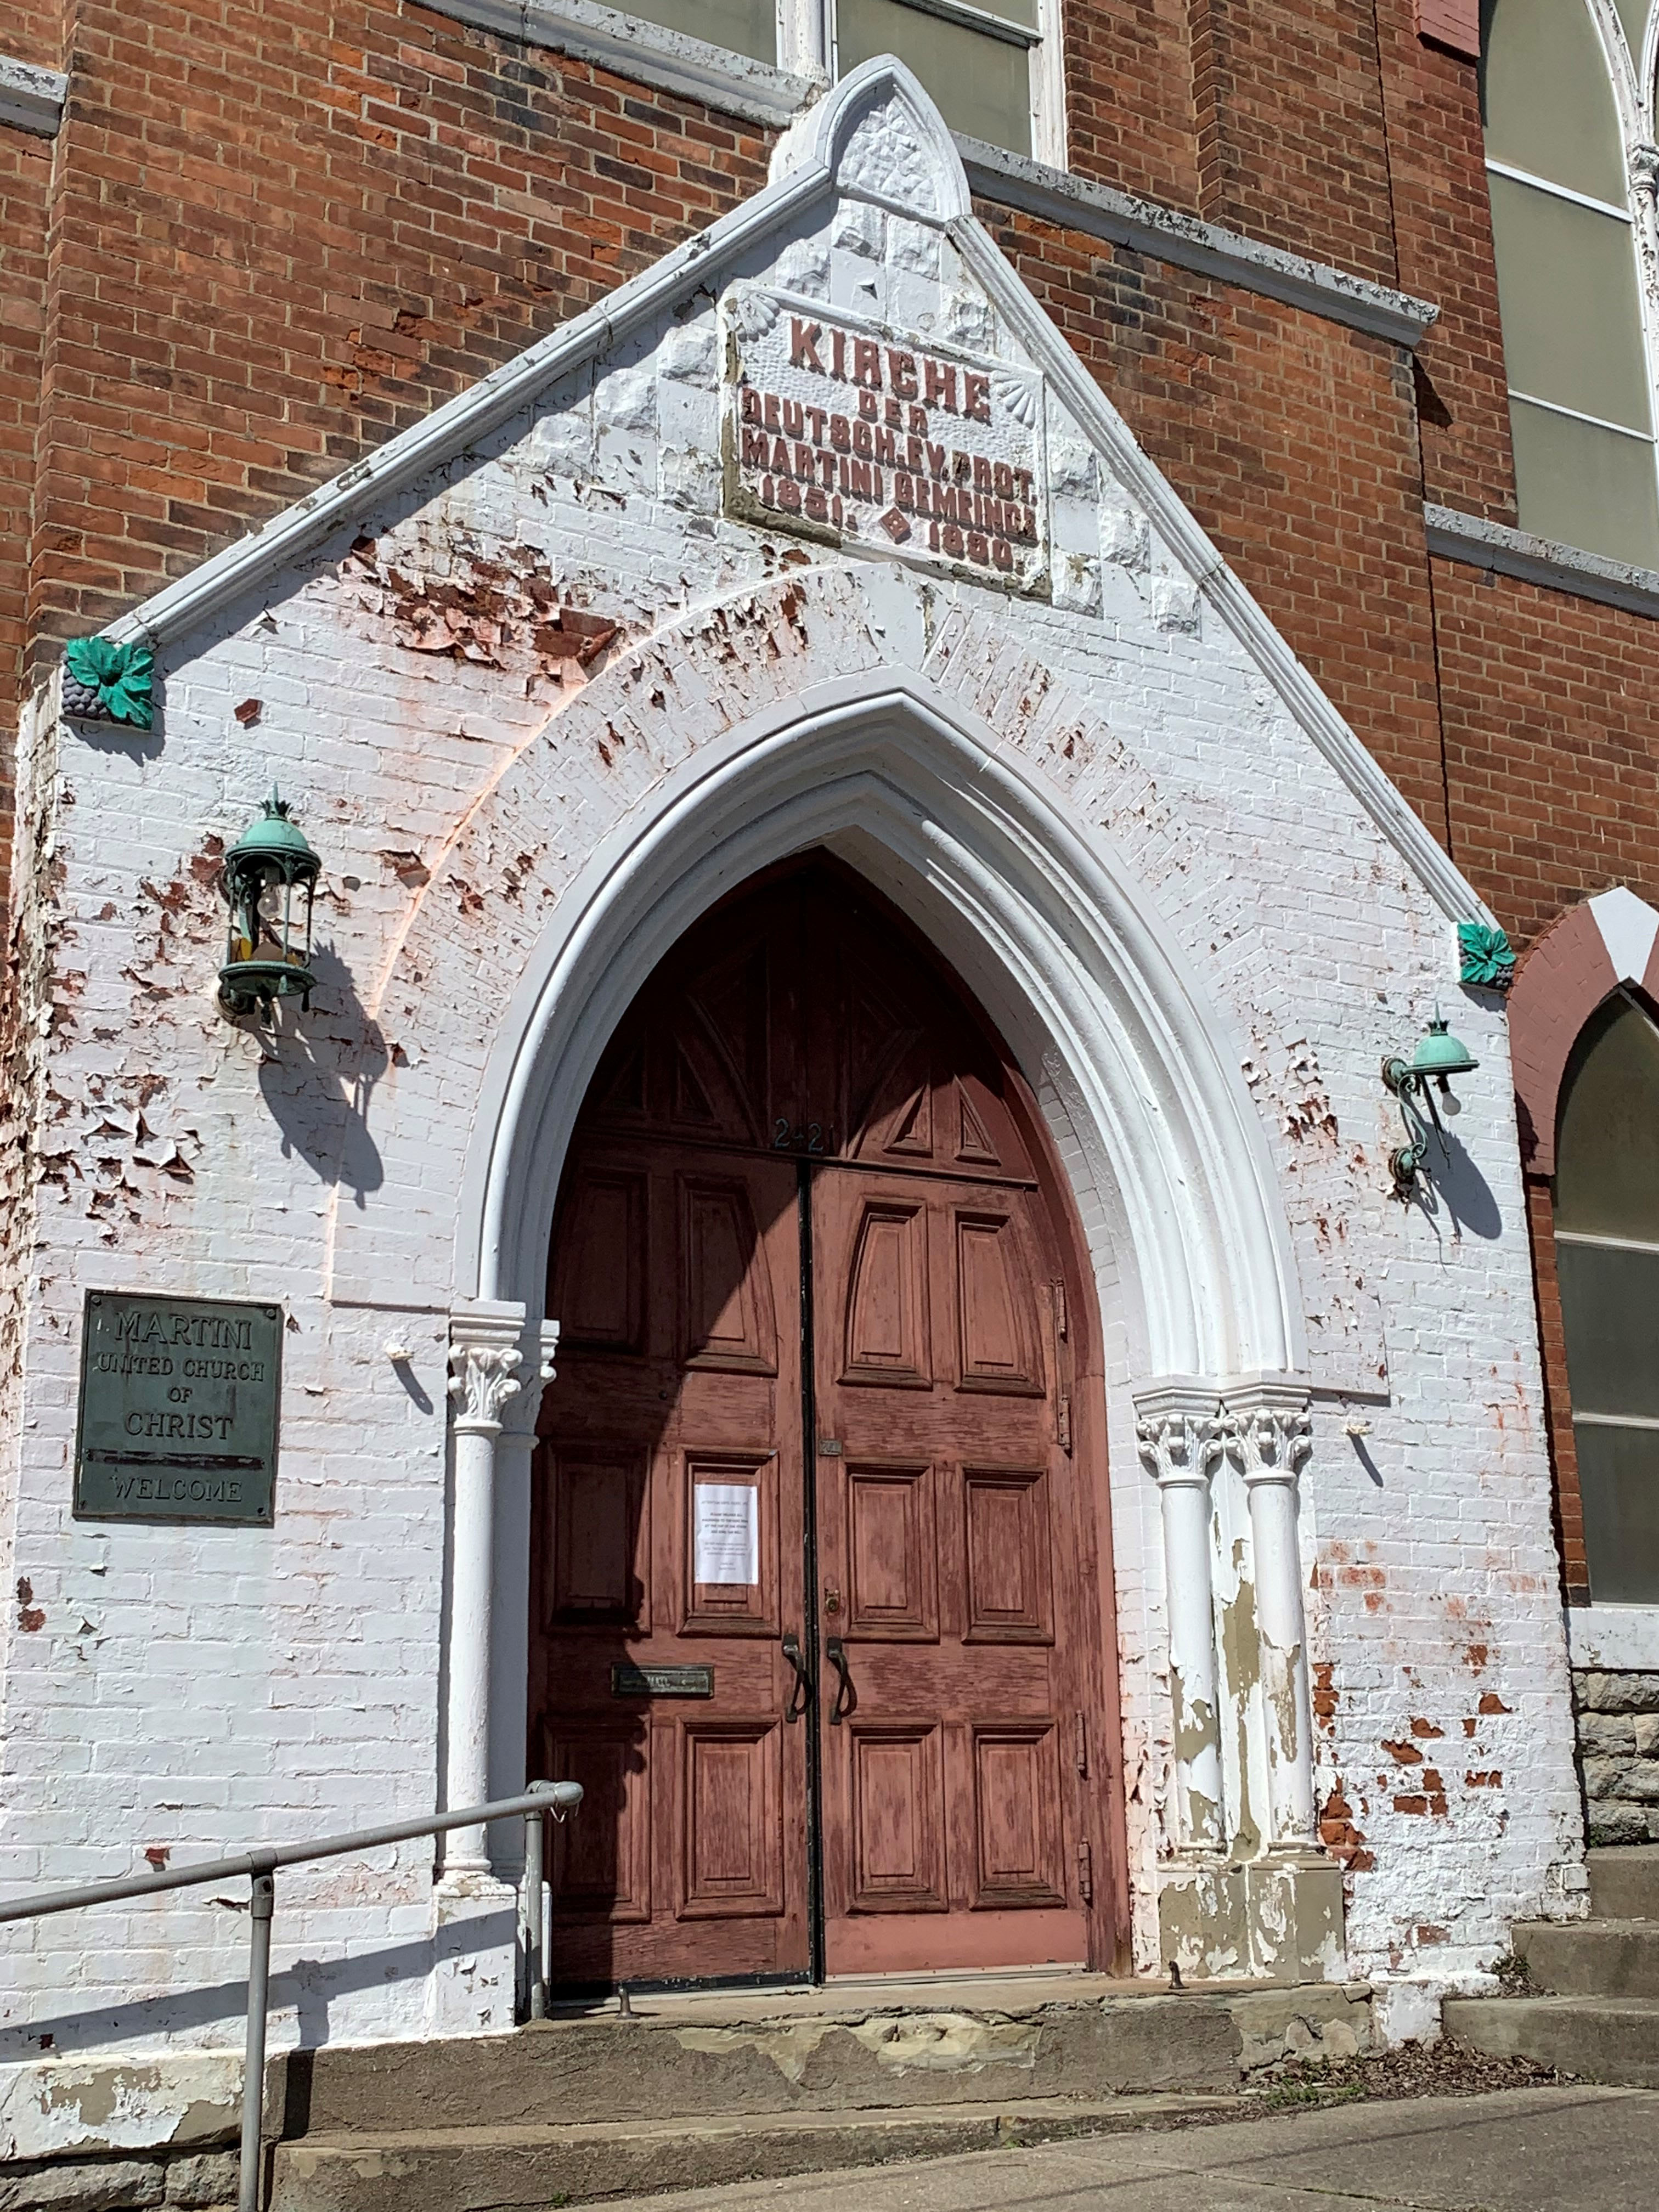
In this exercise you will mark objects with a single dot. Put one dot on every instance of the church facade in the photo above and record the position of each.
(862, 1154)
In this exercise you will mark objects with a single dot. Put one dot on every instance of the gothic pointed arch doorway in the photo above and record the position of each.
(821, 1586)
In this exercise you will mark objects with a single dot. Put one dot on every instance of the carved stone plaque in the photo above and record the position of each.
(180, 1404)
(849, 431)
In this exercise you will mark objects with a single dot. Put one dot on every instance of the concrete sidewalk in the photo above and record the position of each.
(1578, 2150)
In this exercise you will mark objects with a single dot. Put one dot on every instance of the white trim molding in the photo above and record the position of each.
(1494, 545)
(754, 91)
(1619, 1639)
(31, 99)
(1165, 234)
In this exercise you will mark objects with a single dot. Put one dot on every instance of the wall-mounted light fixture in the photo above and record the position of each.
(269, 875)
(1414, 1082)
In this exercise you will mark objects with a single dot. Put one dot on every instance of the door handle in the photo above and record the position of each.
(802, 1689)
(847, 1696)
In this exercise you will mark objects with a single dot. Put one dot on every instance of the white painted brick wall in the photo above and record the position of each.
(198, 1689)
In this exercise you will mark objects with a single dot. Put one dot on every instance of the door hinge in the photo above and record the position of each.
(1059, 1311)
(1083, 1743)
(1085, 1872)
(1063, 1422)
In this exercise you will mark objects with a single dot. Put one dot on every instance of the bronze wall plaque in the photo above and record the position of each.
(180, 1404)
(661, 1682)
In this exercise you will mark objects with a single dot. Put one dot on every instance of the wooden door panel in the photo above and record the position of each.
(999, 1331)
(600, 1567)
(896, 1800)
(600, 1282)
(602, 1866)
(715, 1487)
(886, 1339)
(726, 1301)
(1016, 1830)
(891, 1549)
(732, 1806)
(1007, 1568)
(977, 1646)
(665, 1687)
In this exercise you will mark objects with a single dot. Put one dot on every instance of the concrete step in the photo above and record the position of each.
(719, 2057)
(1591, 1958)
(465, 2169)
(1599, 2039)
(1625, 1881)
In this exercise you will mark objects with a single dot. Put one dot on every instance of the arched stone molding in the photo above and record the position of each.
(1580, 959)
(892, 765)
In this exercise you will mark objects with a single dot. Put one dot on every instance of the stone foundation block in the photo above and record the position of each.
(83, 2186)
(1610, 1734)
(197, 2185)
(1596, 1691)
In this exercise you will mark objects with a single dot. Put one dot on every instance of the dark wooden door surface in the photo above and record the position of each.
(820, 1301)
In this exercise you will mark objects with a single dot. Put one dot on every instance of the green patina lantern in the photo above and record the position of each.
(269, 875)
(1438, 1057)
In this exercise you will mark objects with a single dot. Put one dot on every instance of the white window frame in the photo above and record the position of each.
(806, 47)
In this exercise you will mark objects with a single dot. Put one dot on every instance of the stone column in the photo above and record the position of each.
(485, 1354)
(509, 1639)
(1177, 1430)
(1268, 1432)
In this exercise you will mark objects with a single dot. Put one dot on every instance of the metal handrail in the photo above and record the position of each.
(541, 1798)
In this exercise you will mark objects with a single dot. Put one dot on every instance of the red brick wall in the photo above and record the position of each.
(1129, 99)
(281, 233)
(32, 31)
(1288, 104)
(25, 174)
(1557, 1401)
(1551, 745)
(1293, 439)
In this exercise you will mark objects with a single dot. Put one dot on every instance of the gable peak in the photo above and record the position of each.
(880, 137)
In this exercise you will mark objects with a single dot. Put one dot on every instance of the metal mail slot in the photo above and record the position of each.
(662, 1682)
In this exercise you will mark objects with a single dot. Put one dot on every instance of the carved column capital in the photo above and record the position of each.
(1178, 1430)
(1266, 1429)
(1644, 168)
(485, 1354)
(536, 1347)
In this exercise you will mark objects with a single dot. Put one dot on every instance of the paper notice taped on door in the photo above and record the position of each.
(725, 1517)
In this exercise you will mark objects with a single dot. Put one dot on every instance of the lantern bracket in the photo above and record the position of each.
(269, 878)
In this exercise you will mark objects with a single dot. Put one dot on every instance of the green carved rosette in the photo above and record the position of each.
(104, 682)
(1487, 956)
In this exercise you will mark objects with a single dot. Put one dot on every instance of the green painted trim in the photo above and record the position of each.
(106, 682)
(1487, 956)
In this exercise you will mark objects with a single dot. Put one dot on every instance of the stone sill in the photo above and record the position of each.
(1615, 1638)
(754, 91)
(757, 93)
(31, 99)
(1493, 545)
(1165, 235)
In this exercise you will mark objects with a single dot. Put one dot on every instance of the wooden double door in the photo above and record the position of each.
(820, 1619)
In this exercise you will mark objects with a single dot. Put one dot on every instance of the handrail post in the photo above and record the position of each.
(263, 1903)
(535, 1831)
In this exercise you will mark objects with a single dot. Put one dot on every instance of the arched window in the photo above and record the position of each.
(1567, 101)
(1606, 1232)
